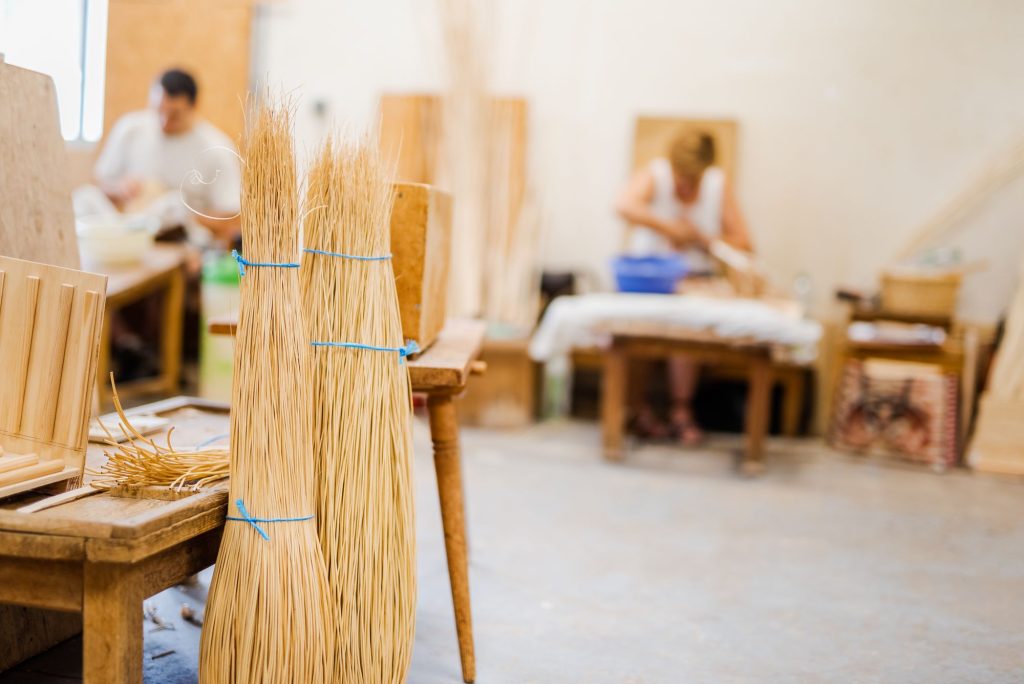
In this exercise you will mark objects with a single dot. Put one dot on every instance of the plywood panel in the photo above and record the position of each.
(653, 135)
(36, 221)
(208, 39)
(411, 131)
(421, 219)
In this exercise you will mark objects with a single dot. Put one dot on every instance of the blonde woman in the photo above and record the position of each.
(681, 203)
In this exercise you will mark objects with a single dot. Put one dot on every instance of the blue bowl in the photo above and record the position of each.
(651, 274)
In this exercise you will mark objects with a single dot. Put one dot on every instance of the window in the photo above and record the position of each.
(66, 39)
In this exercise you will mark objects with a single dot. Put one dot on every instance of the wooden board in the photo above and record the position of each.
(36, 220)
(410, 135)
(998, 444)
(50, 324)
(480, 157)
(653, 135)
(211, 41)
(421, 221)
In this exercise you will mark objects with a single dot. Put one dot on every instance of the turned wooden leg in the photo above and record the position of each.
(758, 408)
(170, 345)
(444, 431)
(112, 625)
(613, 402)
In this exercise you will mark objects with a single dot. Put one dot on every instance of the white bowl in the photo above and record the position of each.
(115, 240)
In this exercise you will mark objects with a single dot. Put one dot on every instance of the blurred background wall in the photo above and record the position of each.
(858, 120)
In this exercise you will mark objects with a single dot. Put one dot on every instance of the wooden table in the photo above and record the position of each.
(441, 372)
(102, 554)
(704, 349)
(161, 269)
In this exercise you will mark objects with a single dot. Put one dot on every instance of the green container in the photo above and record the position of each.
(219, 299)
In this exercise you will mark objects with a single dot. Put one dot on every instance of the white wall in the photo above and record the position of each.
(858, 120)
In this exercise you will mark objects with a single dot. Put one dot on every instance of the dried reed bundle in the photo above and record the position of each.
(361, 413)
(269, 618)
(493, 270)
(143, 462)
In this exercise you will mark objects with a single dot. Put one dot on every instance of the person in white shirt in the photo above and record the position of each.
(170, 147)
(680, 203)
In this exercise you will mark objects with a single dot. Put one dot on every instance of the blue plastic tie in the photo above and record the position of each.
(243, 262)
(245, 517)
(213, 440)
(340, 255)
(408, 350)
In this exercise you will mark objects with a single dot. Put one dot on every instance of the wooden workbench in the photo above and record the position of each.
(703, 348)
(441, 372)
(102, 555)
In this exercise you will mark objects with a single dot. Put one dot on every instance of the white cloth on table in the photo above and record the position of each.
(580, 321)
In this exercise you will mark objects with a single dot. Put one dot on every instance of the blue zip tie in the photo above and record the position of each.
(245, 517)
(242, 263)
(212, 440)
(407, 350)
(340, 255)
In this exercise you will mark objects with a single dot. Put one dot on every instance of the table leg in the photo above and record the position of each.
(613, 402)
(112, 625)
(444, 431)
(793, 384)
(758, 408)
(170, 346)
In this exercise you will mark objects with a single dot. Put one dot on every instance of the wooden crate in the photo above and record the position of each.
(421, 222)
(506, 395)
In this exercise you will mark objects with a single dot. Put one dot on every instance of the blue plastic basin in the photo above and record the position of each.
(652, 274)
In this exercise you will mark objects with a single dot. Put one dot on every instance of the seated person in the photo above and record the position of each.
(681, 203)
(168, 161)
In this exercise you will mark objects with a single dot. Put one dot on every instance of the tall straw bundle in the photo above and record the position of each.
(361, 413)
(269, 618)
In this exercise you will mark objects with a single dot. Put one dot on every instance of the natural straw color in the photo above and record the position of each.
(142, 462)
(362, 411)
(269, 618)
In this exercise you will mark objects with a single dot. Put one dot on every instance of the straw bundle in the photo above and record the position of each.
(483, 163)
(269, 618)
(142, 462)
(361, 413)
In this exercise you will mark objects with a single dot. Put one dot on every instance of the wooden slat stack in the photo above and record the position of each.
(998, 443)
(50, 322)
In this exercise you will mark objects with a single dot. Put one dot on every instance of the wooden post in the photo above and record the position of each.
(444, 431)
(793, 384)
(112, 619)
(613, 402)
(170, 347)
(758, 409)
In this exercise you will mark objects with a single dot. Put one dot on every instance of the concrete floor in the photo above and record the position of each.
(670, 568)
